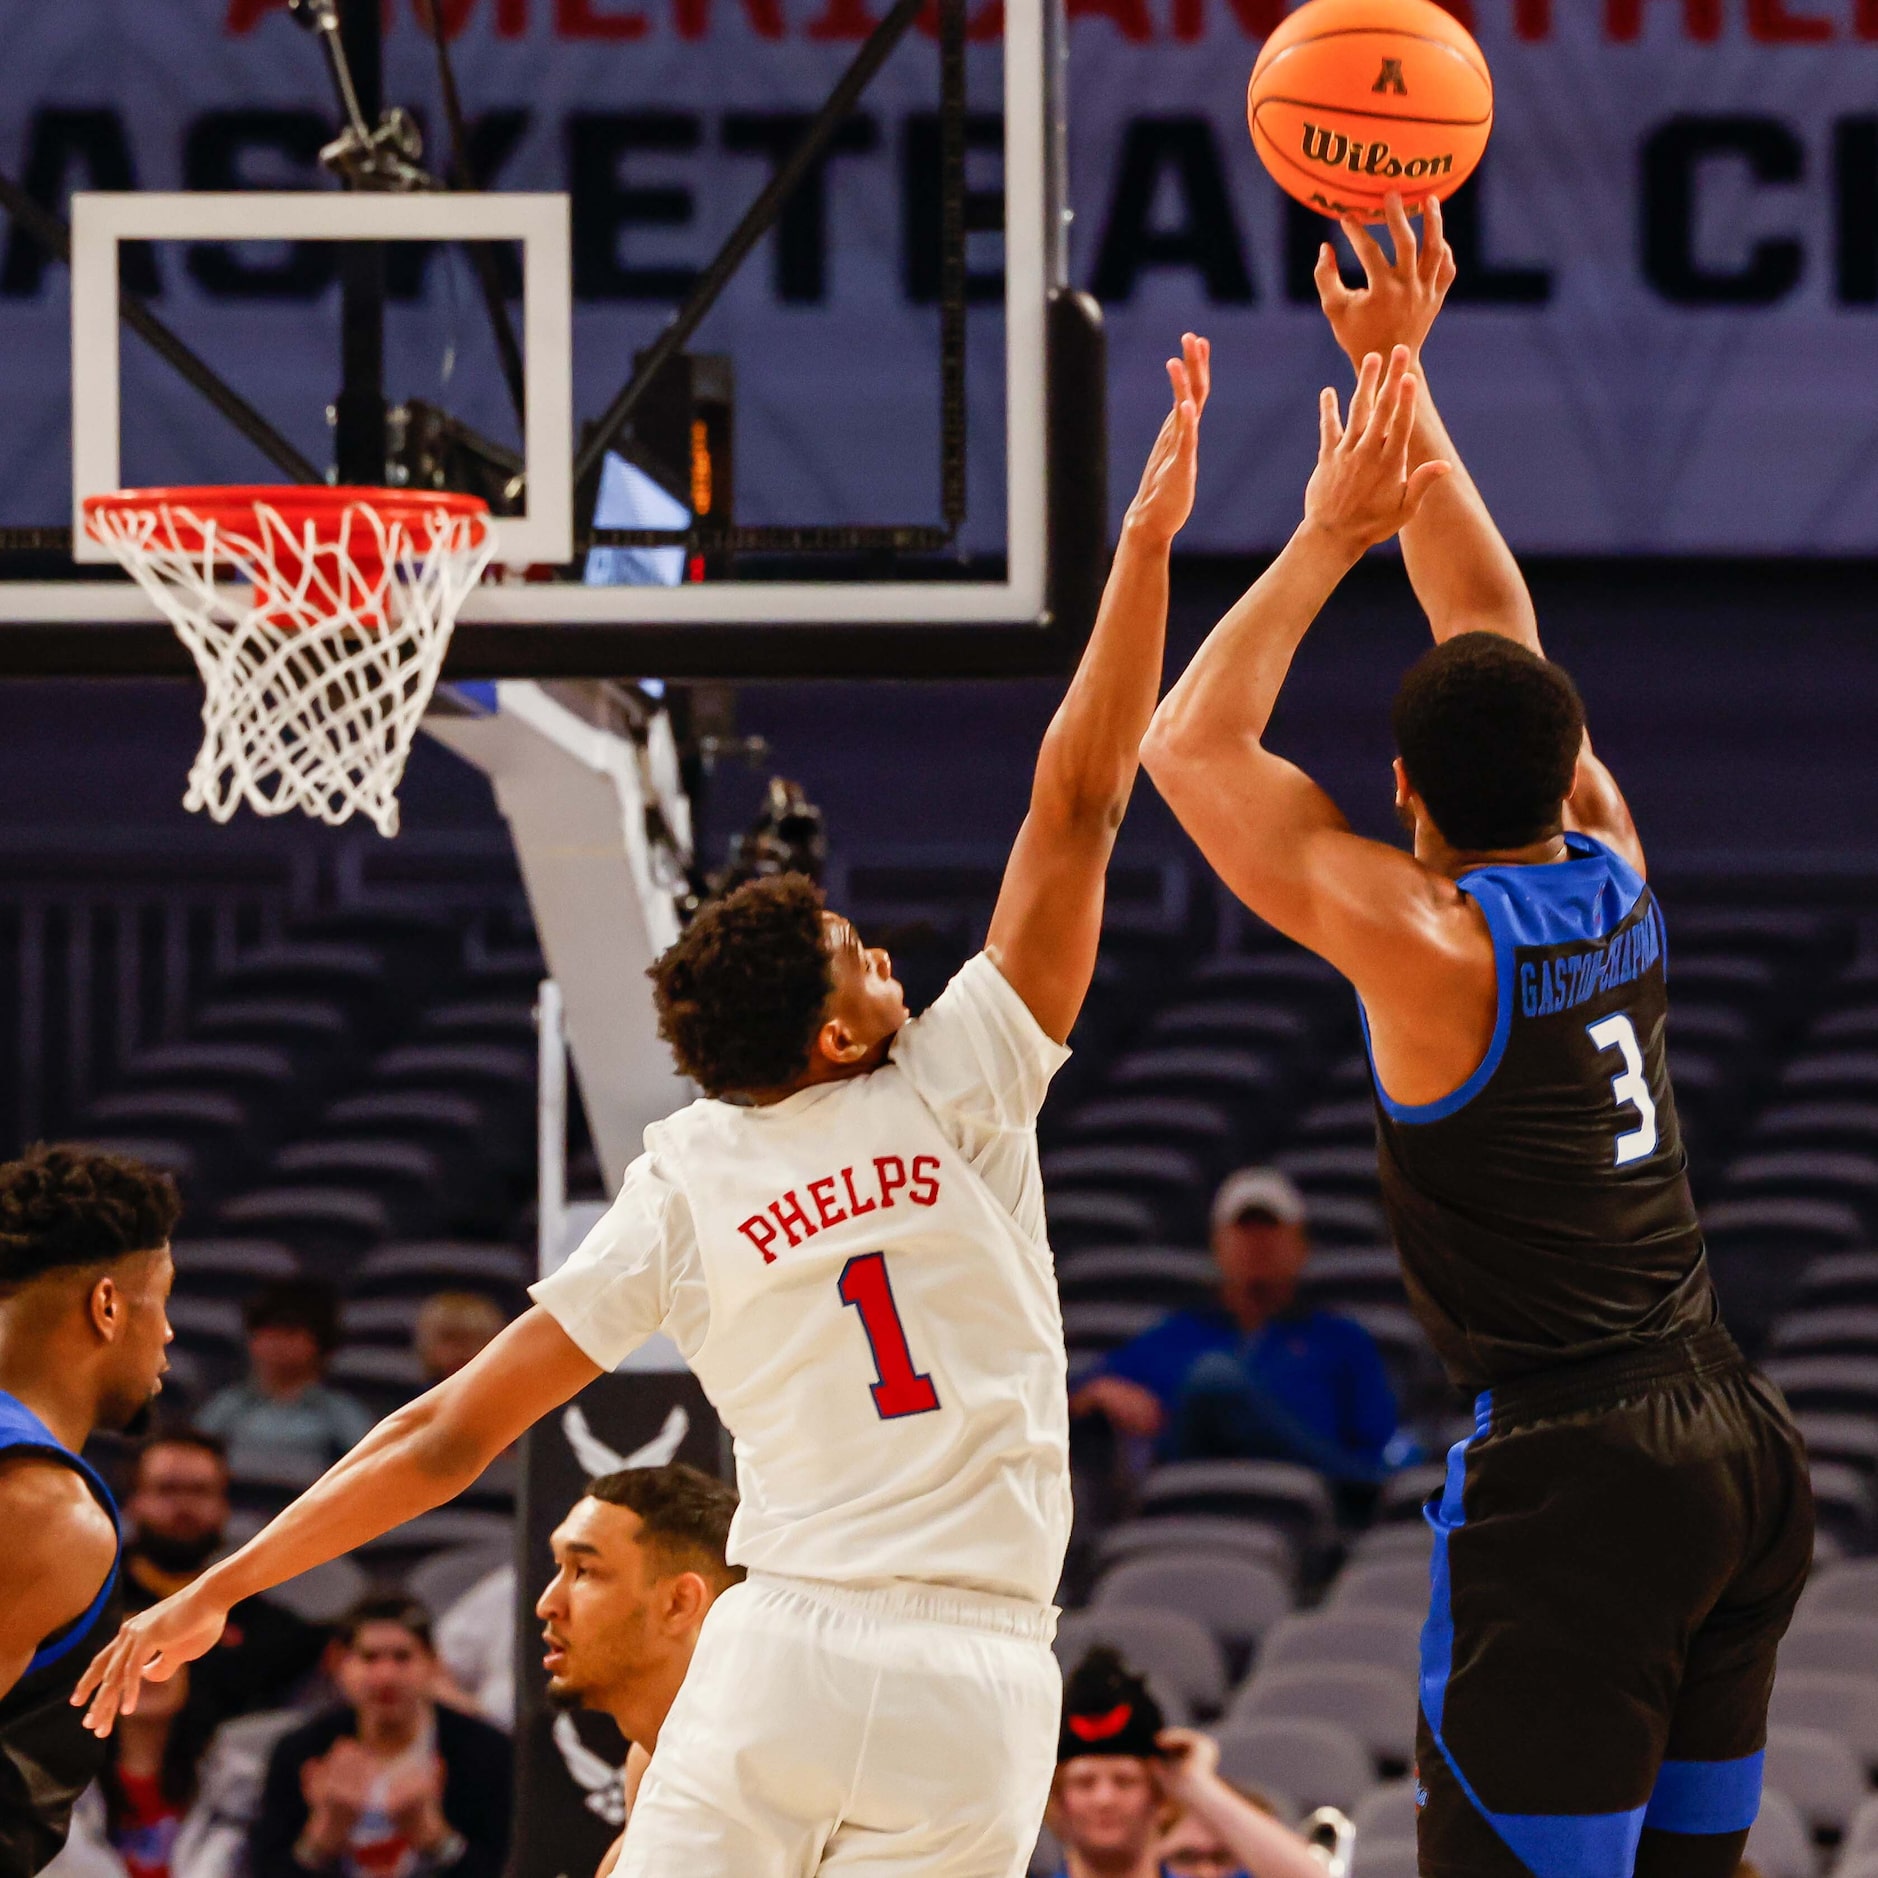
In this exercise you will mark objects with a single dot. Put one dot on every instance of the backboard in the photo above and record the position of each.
(862, 498)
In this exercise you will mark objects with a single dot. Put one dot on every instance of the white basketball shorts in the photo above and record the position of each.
(826, 1729)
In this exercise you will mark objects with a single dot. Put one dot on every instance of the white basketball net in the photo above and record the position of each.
(319, 665)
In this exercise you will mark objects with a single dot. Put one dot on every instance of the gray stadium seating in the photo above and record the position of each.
(1165, 1645)
(1238, 1601)
(1376, 1705)
(1308, 1763)
(1819, 1774)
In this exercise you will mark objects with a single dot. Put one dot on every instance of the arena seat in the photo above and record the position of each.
(327, 1226)
(1351, 1275)
(1401, 1539)
(1382, 1584)
(232, 1268)
(1843, 1505)
(1819, 1774)
(417, 1269)
(1831, 1645)
(439, 1580)
(1383, 1858)
(1165, 1177)
(1861, 1838)
(482, 1020)
(324, 1594)
(1779, 1844)
(1376, 1705)
(1078, 1217)
(1308, 1763)
(1095, 1326)
(1237, 1600)
(1845, 1706)
(1851, 1440)
(1848, 1278)
(409, 1180)
(1386, 1639)
(1162, 1276)
(383, 1379)
(1200, 1535)
(1849, 1589)
(1845, 1385)
(1206, 1130)
(1274, 1491)
(1828, 1330)
(1165, 1645)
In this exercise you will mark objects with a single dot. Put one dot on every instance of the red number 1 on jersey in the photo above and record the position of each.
(901, 1390)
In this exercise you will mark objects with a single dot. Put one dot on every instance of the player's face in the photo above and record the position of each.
(1260, 1262)
(868, 1006)
(129, 1305)
(1107, 1806)
(603, 1618)
(387, 1674)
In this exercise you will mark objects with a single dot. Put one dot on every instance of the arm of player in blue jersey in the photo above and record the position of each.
(1458, 562)
(1048, 918)
(417, 1458)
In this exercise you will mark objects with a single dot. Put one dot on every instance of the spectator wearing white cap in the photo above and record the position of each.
(1256, 1376)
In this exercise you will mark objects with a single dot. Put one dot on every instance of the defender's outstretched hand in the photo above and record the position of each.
(152, 1646)
(1165, 498)
(1362, 490)
(1399, 303)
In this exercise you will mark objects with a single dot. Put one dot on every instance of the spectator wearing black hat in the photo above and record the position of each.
(1123, 1778)
(1255, 1377)
(284, 1406)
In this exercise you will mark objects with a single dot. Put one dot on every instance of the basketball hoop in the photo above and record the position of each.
(318, 618)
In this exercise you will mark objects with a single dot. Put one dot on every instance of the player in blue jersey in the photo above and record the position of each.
(1624, 1536)
(84, 1278)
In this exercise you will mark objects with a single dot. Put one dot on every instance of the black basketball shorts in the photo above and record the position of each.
(1618, 1551)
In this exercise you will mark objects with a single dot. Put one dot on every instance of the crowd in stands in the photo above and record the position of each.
(1256, 1418)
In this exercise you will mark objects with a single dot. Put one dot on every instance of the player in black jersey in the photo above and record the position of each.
(1622, 1540)
(84, 1277)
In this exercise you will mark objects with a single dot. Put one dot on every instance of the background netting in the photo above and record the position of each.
(319, 637)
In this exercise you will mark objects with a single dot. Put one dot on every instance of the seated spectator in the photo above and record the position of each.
(177, 1513)
(1256, 1377)
(152, 1770)
(451, 1328)
(1124, 1781)
(389, 1785)
(285, 1407)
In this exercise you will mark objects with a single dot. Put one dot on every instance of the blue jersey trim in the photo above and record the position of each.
(1586, 897)
(22, 1432)
(1706, 1796)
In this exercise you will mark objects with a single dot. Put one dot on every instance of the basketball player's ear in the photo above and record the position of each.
(838, 1043)
(685, 1599)
(1404, 795)
(107, 1309)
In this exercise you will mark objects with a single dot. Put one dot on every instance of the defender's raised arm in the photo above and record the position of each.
(1049, 913)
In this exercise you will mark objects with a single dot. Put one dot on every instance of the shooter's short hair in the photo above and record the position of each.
(67, 1206)
(684, 1515)
(741, 993)
(1489, 734)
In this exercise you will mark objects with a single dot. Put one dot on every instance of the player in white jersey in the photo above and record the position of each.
(845, 1238)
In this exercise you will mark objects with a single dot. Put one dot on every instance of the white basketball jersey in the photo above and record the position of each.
(859, 1277)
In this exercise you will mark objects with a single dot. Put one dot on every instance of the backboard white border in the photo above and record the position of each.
(101, 222)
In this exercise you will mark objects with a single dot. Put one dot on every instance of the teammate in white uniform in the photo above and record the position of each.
(845, 1237)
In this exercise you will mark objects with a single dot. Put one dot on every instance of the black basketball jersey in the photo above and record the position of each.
(47, 1756)
(1542, 1211)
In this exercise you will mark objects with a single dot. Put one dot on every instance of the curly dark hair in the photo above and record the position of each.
(741, 994)
(66, 1206)
(1489, 733)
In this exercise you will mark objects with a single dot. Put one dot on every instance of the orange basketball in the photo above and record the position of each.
(1353, 98)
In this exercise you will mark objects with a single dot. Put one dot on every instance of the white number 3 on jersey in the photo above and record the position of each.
(1618, 1033)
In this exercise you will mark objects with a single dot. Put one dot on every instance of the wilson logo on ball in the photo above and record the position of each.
(1391, 79)
(1333, 148)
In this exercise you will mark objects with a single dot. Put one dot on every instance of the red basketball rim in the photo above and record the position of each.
(323, 506)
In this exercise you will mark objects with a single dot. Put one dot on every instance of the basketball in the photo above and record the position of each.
(1351, 99)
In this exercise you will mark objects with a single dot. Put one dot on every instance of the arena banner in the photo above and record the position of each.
(569, 1804)
(1664, 338)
